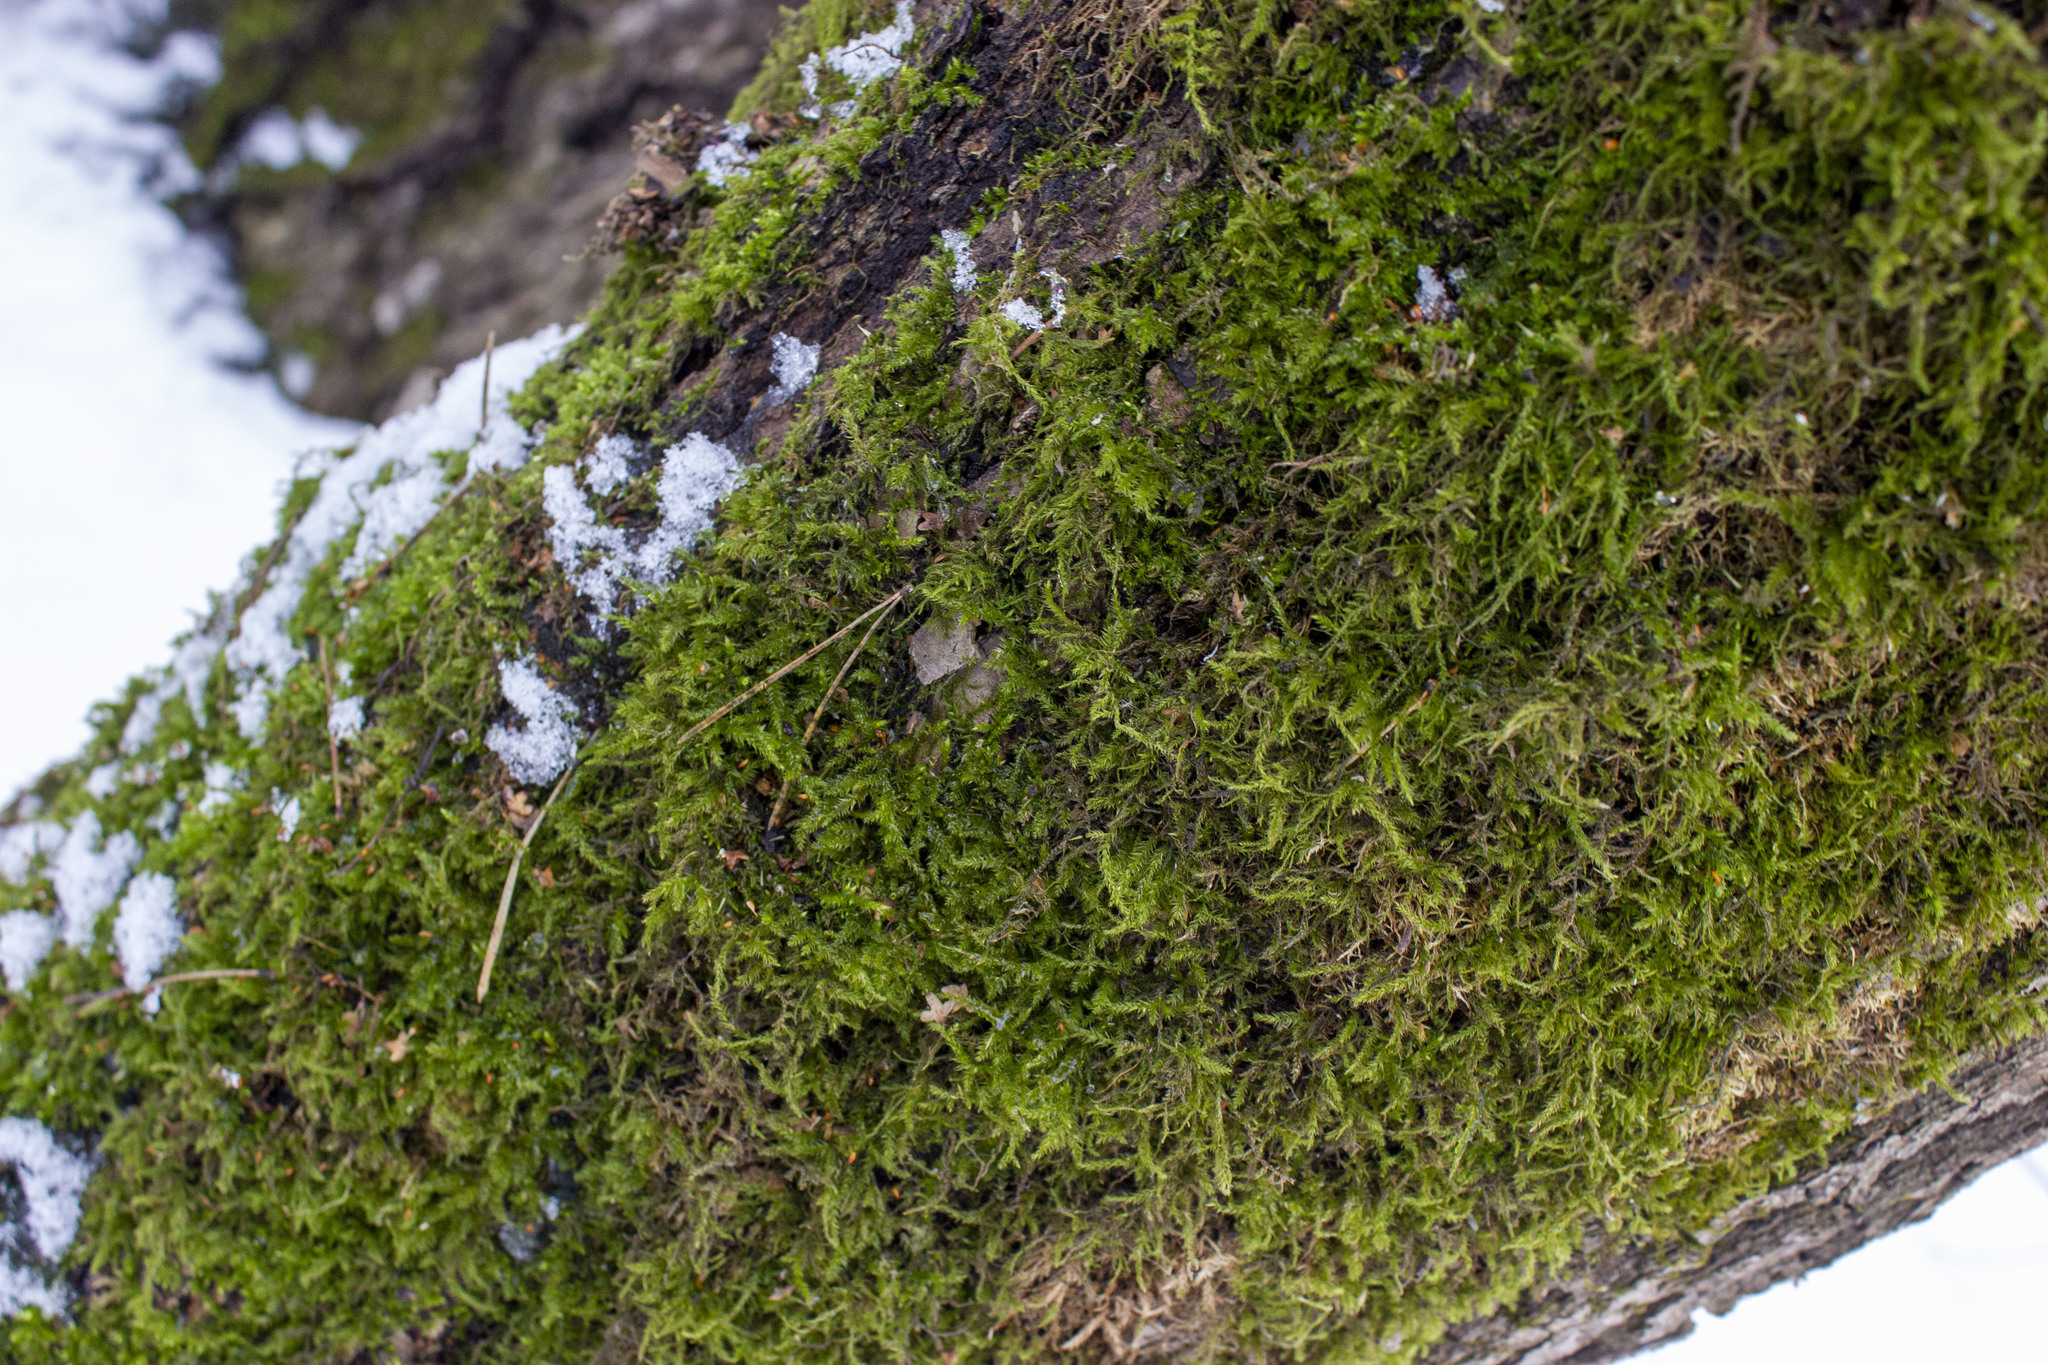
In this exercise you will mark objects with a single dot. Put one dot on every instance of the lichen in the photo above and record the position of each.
(1430, 780)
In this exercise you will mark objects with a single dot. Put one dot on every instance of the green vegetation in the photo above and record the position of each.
(1453, 781)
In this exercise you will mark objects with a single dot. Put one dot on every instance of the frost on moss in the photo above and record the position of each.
(1492, 693)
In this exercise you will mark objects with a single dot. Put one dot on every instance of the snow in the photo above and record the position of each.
(345, 718)
(101, 781)
(794, 366)
(609, 464)
(1028, 316)
(598, 559)
(25, 940)
(88, 873)
(138, 468)
(265, 651)
(279, 141)
(727, 155)
(146, 932)
(541, 749)
(222, 782)
(1432, 299)
(19, 845)
(963, 259)
(52, 1183)
(862, 60)
(287, 808)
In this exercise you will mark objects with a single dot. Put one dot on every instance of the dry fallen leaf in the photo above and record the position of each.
(940, 1006)
(546, 876)
(517, 808)
(400, 1045)
(733, 857)
(1237, 605)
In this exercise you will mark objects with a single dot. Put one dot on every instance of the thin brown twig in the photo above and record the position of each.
(799, 661)
(483, 981)
(333, 744)
(211, 974)
(782, 797)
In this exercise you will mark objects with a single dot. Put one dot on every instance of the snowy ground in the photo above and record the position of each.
(135, 471)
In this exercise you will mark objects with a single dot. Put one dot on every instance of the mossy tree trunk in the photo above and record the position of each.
(1368, 686)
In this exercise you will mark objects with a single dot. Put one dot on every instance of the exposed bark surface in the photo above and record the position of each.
(394, 271)
(1896, 1169)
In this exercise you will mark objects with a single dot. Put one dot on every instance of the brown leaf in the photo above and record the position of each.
(940, 1006)
(400, 1045)
(1237, 605)
(546, 876)
(733, 858)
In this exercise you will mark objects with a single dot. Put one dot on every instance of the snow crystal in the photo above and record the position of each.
(794, 366)
(280, 142)
(863, 60)
(608, 464)
(598, 559)
(327, 142)
(345, 718)
(287, 808)
(390, 512)
(25, 940)
(1432, 299)
(52, 1183)
(963, 259)
(146, 932)
(874, 56)
(222, 782)
(101, 781)
(87, 878)
(728, 155)
(142, 721)
(19, 844)
(540, 750)
(1028, 316)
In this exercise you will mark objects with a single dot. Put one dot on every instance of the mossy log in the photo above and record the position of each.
(1366, 685)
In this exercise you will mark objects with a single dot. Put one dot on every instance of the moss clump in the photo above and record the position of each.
(1439, 777)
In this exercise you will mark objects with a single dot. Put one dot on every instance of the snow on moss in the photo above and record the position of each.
(345, 718)
(25, 940)
(726, 155)
(20, 845)
(52, 1181)
(598, 558)
(287, 808)
(87, 873)
(389, 485)
(546, 741)
(863, 60)
(958, 243)
(1027, 315)
(146, 932)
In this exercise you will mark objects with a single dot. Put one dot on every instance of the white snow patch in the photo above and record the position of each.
(963, 259)
(19, 844)
(265, 651)
(794, 366)
(1432, 300)
(146, 932)
(222, 782)
(231, 1079)
(279, 141)
(862, 60)
(287, 808)
(1027, 315)
(345, 718)
(545, 745)
(598, 559)
(728, 155)
(101, 781)
(25, 940)
(88, 873)
(52, 1183)
(608, 464)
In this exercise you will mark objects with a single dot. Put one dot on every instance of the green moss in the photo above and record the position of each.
(1452, 781)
